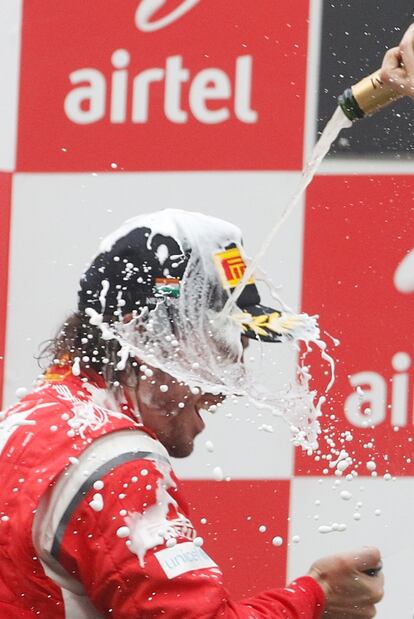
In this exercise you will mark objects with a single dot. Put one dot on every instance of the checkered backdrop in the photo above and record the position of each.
(110, 109)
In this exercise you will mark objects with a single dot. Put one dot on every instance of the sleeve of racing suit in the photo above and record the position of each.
(129, 542)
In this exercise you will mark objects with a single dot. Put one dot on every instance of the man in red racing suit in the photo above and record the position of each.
(93, 522)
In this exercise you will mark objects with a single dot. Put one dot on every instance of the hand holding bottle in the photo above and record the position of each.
(397, 69)
(352, 582)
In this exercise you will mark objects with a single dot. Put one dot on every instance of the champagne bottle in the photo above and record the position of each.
(367, 97)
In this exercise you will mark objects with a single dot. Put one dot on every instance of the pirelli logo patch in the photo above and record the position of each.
(231, 267)
(182, 558)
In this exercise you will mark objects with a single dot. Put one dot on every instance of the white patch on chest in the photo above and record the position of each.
(185, 557)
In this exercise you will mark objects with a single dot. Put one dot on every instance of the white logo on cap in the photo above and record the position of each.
(146, 9)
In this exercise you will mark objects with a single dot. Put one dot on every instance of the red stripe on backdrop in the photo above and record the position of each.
(359, 277)
(234, 512)
(5, 199)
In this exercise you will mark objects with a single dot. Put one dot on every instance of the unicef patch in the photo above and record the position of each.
(182, 558)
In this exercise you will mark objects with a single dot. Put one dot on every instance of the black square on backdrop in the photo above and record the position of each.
(355, 36)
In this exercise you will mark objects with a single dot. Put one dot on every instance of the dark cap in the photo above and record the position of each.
(147, 260)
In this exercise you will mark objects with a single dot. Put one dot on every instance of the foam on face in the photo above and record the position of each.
(192, 339)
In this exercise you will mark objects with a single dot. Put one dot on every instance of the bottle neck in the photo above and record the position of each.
(367, 97)
(350, 106)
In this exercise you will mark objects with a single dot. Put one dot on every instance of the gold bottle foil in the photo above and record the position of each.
(372, 94)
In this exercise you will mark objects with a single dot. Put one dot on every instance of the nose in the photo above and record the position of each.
(209, 399)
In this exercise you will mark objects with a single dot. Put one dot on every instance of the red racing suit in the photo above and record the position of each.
(93, 522)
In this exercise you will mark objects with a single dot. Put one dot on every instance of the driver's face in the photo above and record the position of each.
(172, 411)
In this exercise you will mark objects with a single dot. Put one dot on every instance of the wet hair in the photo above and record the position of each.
(78, 338)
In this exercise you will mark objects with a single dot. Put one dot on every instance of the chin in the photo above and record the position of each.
(180, 451)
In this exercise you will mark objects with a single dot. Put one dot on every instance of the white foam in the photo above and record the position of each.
(167, 223)
(97, 503)
(76, 366)
(162, 253)
(277, 541)
(152, 527)
(218, 473)
(103, 293)
(181, 331)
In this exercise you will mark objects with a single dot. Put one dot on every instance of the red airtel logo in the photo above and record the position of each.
(147, 8)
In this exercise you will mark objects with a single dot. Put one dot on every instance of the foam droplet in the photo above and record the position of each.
(170, 543)
(218, 473)
(97, 503)
(324, 528)
(76, 366)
